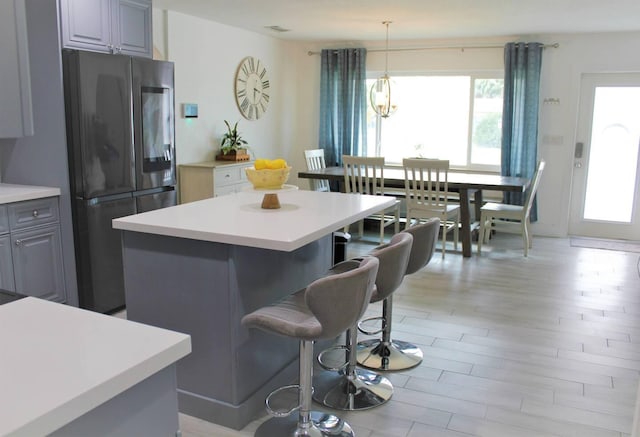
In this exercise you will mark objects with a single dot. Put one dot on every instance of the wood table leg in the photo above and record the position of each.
(465, 222)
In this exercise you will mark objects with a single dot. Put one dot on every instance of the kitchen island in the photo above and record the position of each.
(199, 267)
(71, 372)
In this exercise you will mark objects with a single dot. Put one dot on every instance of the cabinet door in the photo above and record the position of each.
(16, 117)
(86, 24)
(37, 262)
(132, 27)
(6, 264)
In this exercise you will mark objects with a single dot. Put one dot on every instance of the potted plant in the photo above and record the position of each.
(232, 145)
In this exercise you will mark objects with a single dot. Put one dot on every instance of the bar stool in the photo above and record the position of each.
(346, 387)
(323, 310)
(385, 353)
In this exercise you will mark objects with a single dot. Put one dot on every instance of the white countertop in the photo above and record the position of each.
(17, 193)
(238, 219)
(58, 362)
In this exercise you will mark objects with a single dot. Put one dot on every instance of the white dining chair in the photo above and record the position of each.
(315, 161)
(426, 184)
(365, 175)
(505, 217)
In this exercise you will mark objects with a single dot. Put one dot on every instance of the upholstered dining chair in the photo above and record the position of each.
(315, 161)
(426, 184)
(506, 217)
(365, 175)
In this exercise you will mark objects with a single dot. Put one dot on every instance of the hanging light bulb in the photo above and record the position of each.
(382, 100)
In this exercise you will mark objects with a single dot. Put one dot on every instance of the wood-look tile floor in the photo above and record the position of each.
(547, 345)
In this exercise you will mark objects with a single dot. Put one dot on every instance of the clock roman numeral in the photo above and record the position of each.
(251, 65)
(263, 72)
(241, 93)
(251, 108)
(265, 97)
(265, 84)
(244, 105)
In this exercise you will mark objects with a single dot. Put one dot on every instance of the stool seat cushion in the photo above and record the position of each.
(290, 317)
(326, 308)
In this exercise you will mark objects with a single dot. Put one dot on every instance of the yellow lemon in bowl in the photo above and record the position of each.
(268, 174)
(260, 164)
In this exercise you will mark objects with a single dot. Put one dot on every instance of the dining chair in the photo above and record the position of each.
(315, 161)
(365, 175)
(505, 217)
(426, 183)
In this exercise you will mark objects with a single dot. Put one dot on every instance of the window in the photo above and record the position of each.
(454, 117)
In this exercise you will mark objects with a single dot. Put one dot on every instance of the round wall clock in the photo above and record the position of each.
(252, 88)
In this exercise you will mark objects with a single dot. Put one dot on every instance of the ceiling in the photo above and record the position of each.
(361, 20)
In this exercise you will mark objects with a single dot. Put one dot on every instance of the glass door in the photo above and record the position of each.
(605, 200)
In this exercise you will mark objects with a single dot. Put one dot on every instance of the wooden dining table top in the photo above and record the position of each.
(394, 177)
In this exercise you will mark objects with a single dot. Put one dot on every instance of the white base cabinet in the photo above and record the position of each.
(202, 180)
(30, 249)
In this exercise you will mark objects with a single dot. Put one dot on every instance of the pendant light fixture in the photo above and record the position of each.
(382, 100)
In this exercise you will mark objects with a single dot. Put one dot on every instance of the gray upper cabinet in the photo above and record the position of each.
(16, 117)
(109, 26)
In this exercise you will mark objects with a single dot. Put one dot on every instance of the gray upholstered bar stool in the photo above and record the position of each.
(323, 310)
(346, 387)
(385, 353)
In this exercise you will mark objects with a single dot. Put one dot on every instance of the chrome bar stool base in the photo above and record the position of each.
(388, 356)
(362, 390)
(322, 424)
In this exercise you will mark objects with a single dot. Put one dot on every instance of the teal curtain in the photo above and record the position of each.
(522, 64)
(343, 104)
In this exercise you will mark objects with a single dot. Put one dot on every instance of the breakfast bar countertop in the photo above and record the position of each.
(16, 193)
(238, 219)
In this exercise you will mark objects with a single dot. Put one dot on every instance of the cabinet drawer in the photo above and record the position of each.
(227, 176)
(4, 220)
(33, 213)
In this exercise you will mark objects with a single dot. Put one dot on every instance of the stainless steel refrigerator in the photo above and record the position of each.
(120, 134)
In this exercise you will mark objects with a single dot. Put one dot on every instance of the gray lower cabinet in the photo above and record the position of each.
(6, 264)
(31, 250)
(109, 26)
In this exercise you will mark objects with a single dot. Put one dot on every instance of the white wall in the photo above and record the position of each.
(207, 54)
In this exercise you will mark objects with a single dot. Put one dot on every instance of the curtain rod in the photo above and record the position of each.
(462, 48)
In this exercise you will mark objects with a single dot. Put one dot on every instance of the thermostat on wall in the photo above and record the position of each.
(190, 110)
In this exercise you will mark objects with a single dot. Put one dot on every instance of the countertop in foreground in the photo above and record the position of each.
(60, 362)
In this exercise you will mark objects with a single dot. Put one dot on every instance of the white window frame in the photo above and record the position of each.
(474, 75)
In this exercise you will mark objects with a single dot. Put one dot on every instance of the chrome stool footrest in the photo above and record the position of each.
(370, 319)
(283, 410)
(326, 352)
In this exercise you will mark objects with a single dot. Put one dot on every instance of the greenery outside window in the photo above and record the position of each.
(456, 117)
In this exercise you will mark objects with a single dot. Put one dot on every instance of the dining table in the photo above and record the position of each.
(464, 183)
